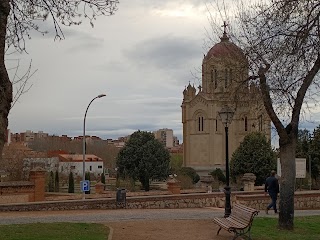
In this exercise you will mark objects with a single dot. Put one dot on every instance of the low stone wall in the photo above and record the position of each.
(303, 200)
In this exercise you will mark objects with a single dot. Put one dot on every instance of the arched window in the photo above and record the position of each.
(226, 78)
(260, 123)
(245, 123)
(200, 123)
(215, 78)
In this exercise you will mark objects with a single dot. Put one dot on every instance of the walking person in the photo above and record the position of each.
(272, 187)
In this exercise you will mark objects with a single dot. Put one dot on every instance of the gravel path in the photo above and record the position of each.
(109, 215)
(124, 215)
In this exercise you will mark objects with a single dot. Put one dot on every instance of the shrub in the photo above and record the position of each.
(190, 172)
(217, 174)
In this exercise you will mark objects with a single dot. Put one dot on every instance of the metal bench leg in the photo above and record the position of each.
(218, 231)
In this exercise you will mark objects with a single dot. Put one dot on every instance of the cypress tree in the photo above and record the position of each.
(87, 177)
(103, 178)
(71, 183)
(51, 182)
(56, 181)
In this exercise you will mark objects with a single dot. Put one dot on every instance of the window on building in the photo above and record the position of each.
(90, 168)
(100, 166)
(212, 79)
(216, 124)
(215, 78)
(200, 123)
(226, 78)
(245, 123)
(260, 123)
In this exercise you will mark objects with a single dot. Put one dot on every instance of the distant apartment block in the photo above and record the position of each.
(166, 137)
(27, 136)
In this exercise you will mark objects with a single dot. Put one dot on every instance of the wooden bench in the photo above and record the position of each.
(239, 222)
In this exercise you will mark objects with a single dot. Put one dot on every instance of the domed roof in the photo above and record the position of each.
(225, 49)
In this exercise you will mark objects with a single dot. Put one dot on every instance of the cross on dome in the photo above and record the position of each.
(224, 36)
(225, 27)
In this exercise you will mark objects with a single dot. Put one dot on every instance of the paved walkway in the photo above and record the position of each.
(146, 224)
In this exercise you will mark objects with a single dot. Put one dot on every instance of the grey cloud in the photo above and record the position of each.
(165, 52)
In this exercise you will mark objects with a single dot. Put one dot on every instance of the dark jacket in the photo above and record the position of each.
(272, 185)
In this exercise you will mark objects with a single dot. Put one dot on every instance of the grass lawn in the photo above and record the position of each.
(307, 228)
(57, 231)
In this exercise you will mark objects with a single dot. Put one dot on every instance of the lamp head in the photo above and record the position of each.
(101, 95)
(226, 115)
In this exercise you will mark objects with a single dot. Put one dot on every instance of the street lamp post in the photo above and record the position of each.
(84, 144)
(226, 115)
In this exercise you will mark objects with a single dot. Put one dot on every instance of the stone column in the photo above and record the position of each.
(248, 180)
(37, 176)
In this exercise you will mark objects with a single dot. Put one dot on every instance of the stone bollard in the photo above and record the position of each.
(248, 180)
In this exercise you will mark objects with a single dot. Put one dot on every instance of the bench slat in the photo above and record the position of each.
(240, 219)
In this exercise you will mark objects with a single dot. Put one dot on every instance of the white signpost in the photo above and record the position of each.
(300, 167)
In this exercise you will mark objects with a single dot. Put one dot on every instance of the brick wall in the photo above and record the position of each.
(24, 191)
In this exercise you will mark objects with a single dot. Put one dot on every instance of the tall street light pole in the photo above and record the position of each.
(226, 115)
(84, 145)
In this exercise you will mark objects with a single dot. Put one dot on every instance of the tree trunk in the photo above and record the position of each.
(287, 184)
(5, 84)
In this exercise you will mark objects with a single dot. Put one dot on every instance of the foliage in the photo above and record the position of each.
(71, 183)
(52, 231)
(176, 161)
(308, 147)
(143, 158)
(185, 181)
(103, 178)
(56, 181)
(314, 153)
(191, 173)
(51, 182)
(217, 174)
(303, 142)
(254, 155)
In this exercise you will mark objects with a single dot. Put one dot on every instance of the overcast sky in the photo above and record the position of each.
(141, 58)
